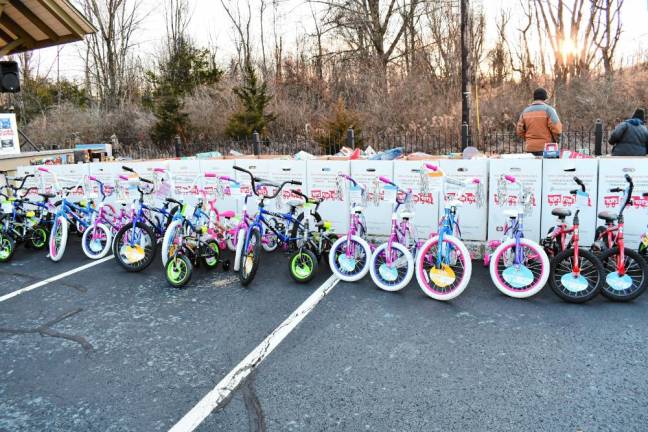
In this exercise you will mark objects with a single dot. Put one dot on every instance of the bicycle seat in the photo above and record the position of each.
(562, 213)
(608, 217)
(293, 203)
(174, 201)
(357, 209)
(47, 195)
(454, 203)
(229, 214)
(315, 200)
(407, 215)
(511, 213)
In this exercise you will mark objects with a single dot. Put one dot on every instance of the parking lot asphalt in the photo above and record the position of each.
(107, 350)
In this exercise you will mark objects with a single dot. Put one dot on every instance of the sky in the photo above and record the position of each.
(210, 26)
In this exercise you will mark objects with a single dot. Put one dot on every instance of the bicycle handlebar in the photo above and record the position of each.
(510, 178)
(254, 181)
(432, 167)
(129, 169)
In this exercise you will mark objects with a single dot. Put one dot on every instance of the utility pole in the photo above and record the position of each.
(465, 74)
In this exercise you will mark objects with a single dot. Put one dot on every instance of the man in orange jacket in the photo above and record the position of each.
(539, 124)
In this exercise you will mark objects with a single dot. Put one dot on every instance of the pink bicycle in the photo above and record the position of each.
(349, 257)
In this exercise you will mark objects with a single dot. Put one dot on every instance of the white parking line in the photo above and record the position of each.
(54, 278)
(232, 380)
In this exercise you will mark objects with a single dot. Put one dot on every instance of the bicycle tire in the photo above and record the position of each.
(572, 295)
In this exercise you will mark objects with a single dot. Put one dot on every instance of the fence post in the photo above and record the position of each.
(256, 143)
(598, 138)
(350, 138)
(465, 142)
(177, 144)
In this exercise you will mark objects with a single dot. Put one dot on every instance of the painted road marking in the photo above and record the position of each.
(228, 385)
(54, 278)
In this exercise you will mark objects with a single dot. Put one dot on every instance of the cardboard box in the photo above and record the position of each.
(473, 214)
(280, 171)
(556, 185)
(322, 183)
(529, 173)
(221, 167)
(426, 193)
(366, 173)
(260, 169)
(611, 175)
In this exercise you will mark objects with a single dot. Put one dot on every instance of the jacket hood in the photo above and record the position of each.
(634, 121)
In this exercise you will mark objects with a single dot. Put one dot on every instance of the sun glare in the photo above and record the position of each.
(568, 48)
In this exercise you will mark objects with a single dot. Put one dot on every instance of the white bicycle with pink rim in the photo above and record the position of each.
(519, 267)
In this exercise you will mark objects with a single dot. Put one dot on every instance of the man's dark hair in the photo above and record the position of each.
(540, 94)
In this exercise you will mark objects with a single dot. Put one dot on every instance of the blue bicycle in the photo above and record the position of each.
(443, 263)
(249, 251)
(136, 242)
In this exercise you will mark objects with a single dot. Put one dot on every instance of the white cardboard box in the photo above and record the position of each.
(426, 192)
(529, 173)
(280, 171)
(259, 167)
(611, 175)
(473, 214)
(69, 175)
(366, 172)
(220, 167)
(322, 183)
(556, 185)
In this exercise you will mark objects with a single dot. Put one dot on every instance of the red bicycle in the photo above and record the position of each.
(576, 273)
(626, 272)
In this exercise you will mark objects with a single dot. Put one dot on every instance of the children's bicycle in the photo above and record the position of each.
(443, 263)
(248, 252)
(576, 273)
(350, 255)
(625, 270)
(392, 263)
(519, 267)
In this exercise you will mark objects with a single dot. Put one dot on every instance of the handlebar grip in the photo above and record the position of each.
(210, 175)
(43, 169)
(628, 178)
(385, 180)
(93, 178)
(146, 180)
(573, 191)
(227, 178)
(645, 194)
(510, 178)
(123, 177)
(238, 168)
(159, 170)
(432, 167)
(616, 190)
(476, 181)
(578, 181)
(125, 168)
(296, 182)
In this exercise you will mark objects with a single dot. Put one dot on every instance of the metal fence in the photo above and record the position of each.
(587, 140)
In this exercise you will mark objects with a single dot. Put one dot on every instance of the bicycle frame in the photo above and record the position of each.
(613, 234)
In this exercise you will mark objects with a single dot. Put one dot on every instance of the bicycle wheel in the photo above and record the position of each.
(178, 270)
(349, 259)
(7, 247)
(211, 256)
(96, 241)
(394, 276)
(250, 258)
(169, 241)
(303, 265)
(632, 283)
(571, 287)
(58, 238)
(38, 237)
(521, 280)
(140, 254)
(449, 279)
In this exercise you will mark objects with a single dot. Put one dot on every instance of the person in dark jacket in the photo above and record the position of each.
(630, 137)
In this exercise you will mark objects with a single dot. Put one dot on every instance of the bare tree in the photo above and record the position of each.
(609, 21)
(242, 24)
(109, 50)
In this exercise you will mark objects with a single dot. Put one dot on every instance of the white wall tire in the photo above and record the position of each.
(509, 247)
(56, 253)
(240, 240)
(378, 279)
(426, 284)
(88, 247)
(361, 272)
(166, 240)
